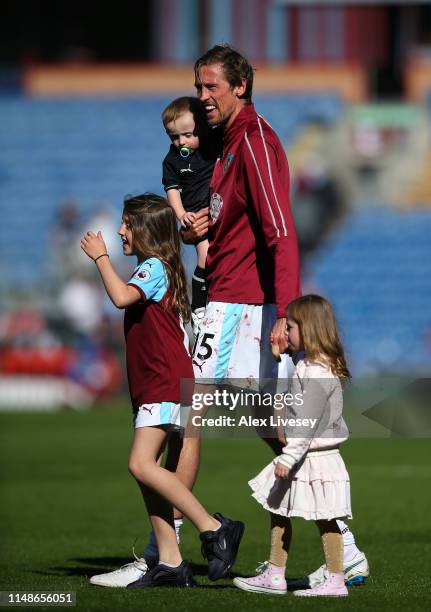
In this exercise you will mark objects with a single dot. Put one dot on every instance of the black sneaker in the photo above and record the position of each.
(151, 561)
(221, 547)
(162, 575)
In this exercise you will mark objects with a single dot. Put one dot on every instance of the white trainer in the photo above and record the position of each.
(123, 576)
(356, 571)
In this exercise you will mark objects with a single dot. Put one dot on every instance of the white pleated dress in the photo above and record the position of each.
(318, 486)
(319, 490)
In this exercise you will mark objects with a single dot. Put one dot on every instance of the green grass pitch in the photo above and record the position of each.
(69, 509)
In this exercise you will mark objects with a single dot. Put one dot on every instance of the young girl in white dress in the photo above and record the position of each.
(309, 479)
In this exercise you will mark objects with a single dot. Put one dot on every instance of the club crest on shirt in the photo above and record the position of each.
(216, 204)
(228, 161)
(143, 275)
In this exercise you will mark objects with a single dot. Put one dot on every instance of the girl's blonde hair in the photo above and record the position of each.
(318, 327)
(155, 234)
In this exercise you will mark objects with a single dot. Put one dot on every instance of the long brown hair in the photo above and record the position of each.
(155, 234)
(318, 327)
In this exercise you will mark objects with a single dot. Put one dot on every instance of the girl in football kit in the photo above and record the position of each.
(157, 355)
(309, 478)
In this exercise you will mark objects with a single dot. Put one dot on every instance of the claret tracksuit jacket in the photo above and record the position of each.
(253, 252)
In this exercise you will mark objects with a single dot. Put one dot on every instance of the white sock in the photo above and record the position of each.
(178, 525)
(171, 564)
(350, 548)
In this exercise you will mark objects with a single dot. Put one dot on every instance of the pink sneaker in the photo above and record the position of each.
(271, 580)
(333, 586)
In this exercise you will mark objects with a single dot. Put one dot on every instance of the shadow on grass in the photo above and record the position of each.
(87, 572)
(112, 563)
(96, 565)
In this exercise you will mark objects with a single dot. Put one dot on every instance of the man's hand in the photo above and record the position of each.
(281, 471)
(278, 339)
(197, 228)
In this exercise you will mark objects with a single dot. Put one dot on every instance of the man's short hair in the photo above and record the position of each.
(182, 105)
(235, 67)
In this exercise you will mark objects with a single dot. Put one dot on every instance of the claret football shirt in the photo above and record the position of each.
(157, 352)
(253, 252)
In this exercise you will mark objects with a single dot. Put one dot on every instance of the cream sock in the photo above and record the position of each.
(333, 550)
(281, 535)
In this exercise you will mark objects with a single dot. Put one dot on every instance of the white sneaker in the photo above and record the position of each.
(356, 571)
(123, 576)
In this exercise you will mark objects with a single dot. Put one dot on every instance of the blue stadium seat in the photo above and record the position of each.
(376, 270)
(94, 150)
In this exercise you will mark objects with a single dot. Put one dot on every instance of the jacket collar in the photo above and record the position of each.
(239, 125)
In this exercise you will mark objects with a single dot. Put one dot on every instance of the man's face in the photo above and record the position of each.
(220, 100)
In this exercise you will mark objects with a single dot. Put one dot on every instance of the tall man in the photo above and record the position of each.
(252, 265)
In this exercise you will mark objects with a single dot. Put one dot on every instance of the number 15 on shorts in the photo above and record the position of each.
(202, 348)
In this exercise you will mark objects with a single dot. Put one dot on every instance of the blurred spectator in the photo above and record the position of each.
(107, 219)
(81, 303)
(66, 227)
(30, 352)
(317, 205)
(26, 328)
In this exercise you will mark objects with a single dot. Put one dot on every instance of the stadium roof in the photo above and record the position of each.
(318, 3)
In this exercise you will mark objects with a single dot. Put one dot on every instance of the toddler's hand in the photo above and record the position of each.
(187, 219)
(281, 471)
(93, 245)
(197, 229)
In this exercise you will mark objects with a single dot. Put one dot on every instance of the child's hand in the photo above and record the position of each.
(275, 349)
(93, 245)
(275, 343)
(198, 228)
(281, 471)
(187, 219)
